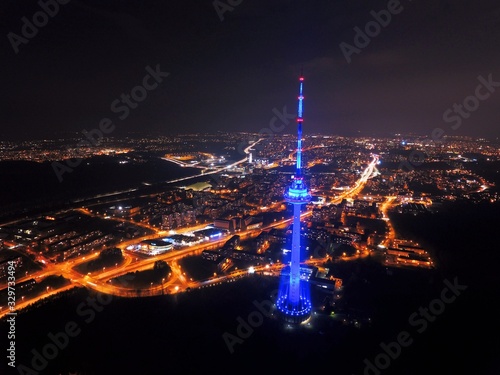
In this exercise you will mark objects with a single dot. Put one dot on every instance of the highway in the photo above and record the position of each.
(215, 170)
(178, 280)
(99, 281)
(359, 184)
(384, 208)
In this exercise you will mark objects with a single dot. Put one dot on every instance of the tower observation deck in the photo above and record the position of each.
(293, 301)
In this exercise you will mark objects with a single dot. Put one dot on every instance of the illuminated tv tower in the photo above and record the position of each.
(293, 303)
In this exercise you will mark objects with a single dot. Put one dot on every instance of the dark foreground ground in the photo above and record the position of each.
(189, 333)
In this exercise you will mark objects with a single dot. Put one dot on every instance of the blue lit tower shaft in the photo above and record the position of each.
(293, 300)
(299, 128)
(295, 257)
(294, 292)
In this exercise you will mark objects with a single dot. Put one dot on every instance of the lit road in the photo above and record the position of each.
(178, 281)
(107, 195)
(123, 220)
(384, 208)
(21, 303)
(99, 281)
(304, 149)
(216, 170)
(359, 184)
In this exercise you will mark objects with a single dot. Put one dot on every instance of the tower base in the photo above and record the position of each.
(294, 313)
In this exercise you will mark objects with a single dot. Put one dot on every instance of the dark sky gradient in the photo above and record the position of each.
(230, 74)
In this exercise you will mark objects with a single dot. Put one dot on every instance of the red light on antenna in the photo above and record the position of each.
(301, 78)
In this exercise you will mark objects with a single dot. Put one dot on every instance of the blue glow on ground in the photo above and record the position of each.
(288, 311)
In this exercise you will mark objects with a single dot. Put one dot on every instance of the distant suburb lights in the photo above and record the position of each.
(121, 106)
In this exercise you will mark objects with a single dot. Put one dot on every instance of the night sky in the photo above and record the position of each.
(230, 74)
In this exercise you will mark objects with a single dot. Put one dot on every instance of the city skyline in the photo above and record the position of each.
(387, 67)
(164, 210)
(193, 238)
(202, 254)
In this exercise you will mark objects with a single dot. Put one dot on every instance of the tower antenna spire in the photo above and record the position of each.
(293, 303)
(300, 119)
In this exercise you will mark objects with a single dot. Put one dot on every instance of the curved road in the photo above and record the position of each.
(178, 282)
